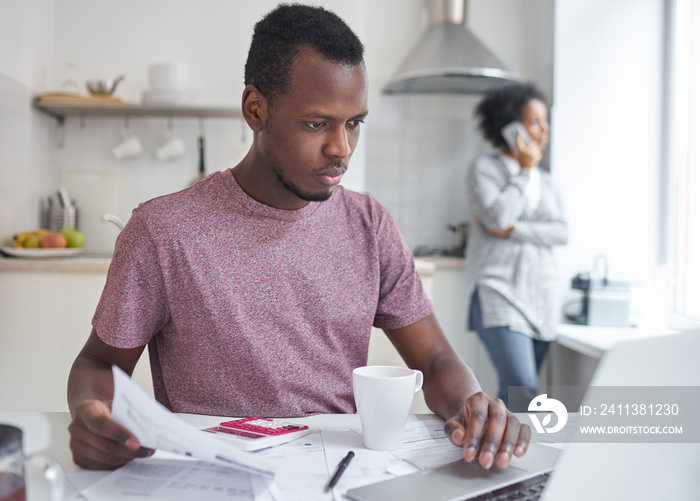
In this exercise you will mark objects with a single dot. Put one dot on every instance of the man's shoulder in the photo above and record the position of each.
(185, 202)
(358, 203)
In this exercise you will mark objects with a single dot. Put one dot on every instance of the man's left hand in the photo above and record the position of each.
(484, 428)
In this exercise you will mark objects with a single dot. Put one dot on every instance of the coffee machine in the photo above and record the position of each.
(605, 302)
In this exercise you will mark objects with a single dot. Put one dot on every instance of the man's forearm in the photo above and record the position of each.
(448, 386)
(91, 374)
(89, 378)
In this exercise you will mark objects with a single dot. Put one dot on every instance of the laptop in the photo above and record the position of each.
(584, 471)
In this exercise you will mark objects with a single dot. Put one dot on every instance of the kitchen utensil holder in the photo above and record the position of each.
(62, 217)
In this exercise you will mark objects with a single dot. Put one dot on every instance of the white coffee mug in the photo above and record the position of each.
(169, 76)
(172, 148)
(383, 396)
(129, 146)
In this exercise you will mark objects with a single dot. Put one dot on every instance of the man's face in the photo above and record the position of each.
(311, 132)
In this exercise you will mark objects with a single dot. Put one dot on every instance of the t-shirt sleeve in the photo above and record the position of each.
(133, 306)
(402, 299)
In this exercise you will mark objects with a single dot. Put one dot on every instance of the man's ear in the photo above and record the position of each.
(254, 107)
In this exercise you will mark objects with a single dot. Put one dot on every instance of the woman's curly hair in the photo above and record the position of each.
(503, 105)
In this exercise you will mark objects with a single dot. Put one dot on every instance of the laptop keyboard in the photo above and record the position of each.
(527, 490)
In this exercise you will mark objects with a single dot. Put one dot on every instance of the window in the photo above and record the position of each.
(683, 155)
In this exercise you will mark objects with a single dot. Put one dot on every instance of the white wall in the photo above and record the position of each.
(26, 33)
(26, 166)
(606, 133)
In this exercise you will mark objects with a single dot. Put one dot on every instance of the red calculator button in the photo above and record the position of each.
(263, 426)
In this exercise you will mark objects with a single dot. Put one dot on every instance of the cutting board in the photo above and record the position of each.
(94, 193)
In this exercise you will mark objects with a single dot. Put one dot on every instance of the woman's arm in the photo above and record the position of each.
(496, 199)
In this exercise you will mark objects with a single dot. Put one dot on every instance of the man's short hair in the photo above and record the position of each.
(281, 34)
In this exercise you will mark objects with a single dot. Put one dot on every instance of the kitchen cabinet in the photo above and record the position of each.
(46, 310)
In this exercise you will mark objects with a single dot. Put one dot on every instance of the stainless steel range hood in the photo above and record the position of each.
(449, 59)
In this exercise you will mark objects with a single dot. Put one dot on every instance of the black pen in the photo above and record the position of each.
(339, 470)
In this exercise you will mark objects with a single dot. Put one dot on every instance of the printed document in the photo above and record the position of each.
(158, 428)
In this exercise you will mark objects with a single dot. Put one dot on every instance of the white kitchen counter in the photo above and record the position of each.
(424, 268)
(443, 262)
(99, 263)
(595, 341)
(83, 263)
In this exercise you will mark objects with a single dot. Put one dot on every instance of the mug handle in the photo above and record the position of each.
(53, 473)
(419, 380)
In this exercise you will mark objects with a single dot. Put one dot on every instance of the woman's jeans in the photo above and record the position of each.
(516, 357)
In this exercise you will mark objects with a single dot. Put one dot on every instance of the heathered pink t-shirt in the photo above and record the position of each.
(251, 310)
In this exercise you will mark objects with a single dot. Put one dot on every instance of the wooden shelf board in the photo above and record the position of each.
(61, 110)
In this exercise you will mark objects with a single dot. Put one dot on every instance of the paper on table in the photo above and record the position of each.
(426, 446)
(303, 473)
(176, 479)
(158, 428)
(367, 467)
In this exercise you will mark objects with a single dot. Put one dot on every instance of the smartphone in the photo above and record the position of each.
(510, 133)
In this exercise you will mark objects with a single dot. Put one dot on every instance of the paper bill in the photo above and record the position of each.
(157, 428)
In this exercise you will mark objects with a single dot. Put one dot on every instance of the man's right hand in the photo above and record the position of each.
(97, 442)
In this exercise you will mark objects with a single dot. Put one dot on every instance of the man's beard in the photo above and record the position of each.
(303, 195)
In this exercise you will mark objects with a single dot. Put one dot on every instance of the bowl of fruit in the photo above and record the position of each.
(45, 243)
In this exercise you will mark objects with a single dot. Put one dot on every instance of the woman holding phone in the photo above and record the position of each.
(518, 219)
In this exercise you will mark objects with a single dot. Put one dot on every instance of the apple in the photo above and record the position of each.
(73, 237)
(53, 240)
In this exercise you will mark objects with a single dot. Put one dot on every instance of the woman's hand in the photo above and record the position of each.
(495, 233)
(528, 155)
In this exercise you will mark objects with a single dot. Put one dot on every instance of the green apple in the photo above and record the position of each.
(73, 237)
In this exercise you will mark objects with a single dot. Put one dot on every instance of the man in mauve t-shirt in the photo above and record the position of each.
(256, 289)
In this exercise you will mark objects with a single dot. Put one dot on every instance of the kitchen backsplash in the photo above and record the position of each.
(419, 149)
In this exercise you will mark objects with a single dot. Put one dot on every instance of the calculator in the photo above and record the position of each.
(255, 433)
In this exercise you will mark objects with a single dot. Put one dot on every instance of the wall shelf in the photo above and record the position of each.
(60, 111)
(85, 108)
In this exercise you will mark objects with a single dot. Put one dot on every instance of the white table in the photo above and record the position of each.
(48, 432)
